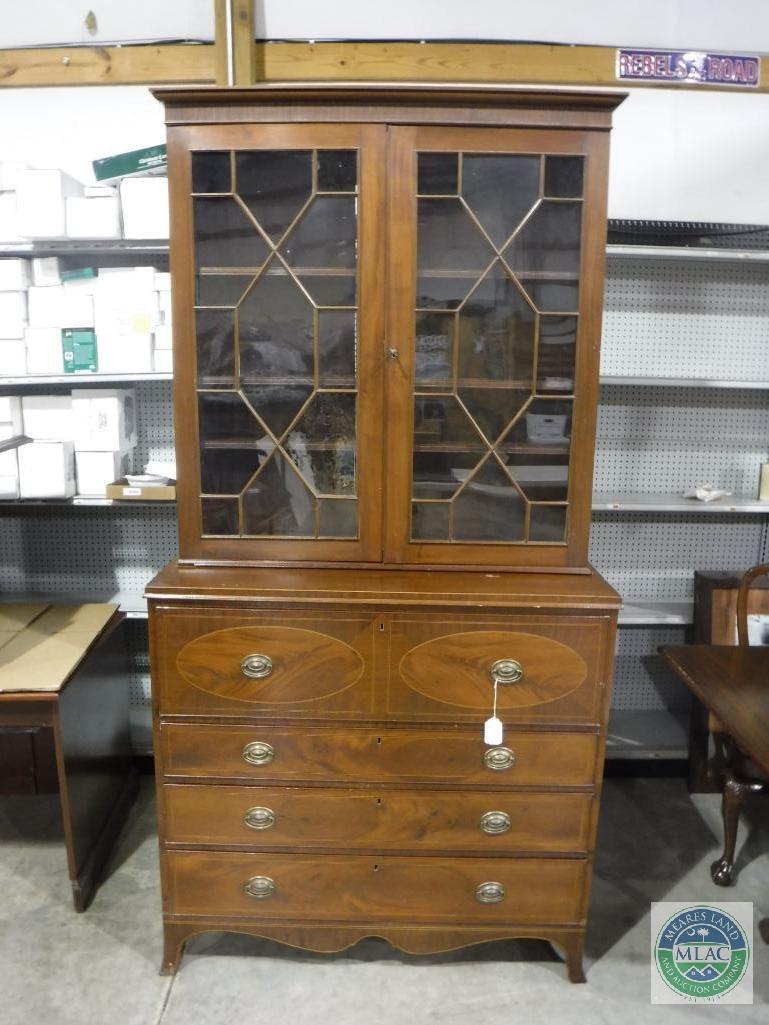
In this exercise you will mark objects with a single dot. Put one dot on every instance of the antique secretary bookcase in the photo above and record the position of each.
(387, 308)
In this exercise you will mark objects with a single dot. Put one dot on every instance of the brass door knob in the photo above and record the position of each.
(258, 752)
(495, 822)
(256, 667)
(489, 893)
(259, 818)
(499, 758)
(260, 887)
(506, 671)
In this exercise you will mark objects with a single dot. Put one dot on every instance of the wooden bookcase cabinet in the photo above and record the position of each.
(387, 320)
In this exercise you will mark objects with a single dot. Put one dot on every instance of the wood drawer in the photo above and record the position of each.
(410, 755)
(439, 667)
(300, 663)
(361, 888)
(424, 820)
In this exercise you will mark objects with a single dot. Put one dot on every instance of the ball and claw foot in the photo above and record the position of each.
(722, 872)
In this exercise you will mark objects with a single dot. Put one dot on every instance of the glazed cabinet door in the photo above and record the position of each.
(277, 242)
(494, 313)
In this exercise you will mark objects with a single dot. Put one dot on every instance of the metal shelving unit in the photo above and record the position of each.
(684, 367)
(32, 382)
(86, 247)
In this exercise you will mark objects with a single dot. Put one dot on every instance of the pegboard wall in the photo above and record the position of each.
(642, 681)
(686, 318)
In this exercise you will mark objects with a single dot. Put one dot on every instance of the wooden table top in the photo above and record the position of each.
(732, 683)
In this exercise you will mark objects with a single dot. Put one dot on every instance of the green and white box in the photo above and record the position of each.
(78, 350)
(137, 162)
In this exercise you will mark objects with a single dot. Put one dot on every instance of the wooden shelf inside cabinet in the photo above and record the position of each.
(635, 503)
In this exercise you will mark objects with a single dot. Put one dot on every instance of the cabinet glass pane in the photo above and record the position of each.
(277, 368)
(497, 272)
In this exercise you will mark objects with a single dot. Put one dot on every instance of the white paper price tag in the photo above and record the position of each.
(493, 731)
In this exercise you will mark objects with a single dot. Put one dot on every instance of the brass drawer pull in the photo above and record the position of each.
(258, 752)
(259, 818)
(495, 822)
(489, 893)
(499, 758)
(260, 887)
(506, 671)
(256, 667)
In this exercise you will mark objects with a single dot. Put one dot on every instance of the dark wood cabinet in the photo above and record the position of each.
(387, 307)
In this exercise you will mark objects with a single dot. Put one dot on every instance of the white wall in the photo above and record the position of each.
(691, 24)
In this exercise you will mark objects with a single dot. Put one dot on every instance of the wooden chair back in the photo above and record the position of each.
(742, 602)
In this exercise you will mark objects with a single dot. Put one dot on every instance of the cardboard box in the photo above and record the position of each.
(95, 470)
(13, 357)
(43, 350)
(145, 207)
(149, 160)
(45, 271)
(97, 217)
(104, 419)
(48, 417)
(10, 412)
(163, 361)
(123, 490)
(79, 353)
(41, 202)
(14, 275)
(13, 314)
(9, 475)
(123, 353)
(163, 337)
(47, 469)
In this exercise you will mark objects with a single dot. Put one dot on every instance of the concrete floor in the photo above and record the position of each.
(101, 967)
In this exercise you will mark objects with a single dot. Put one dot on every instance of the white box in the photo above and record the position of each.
(47, 469)
(40, 202)
(163, 280)
(164, 303)
(9, 475)
(145, 207)
(10, 412)
(82, 285)
(163, 337)
(104, 419)
(48, 417)
(164, 361)
(44, 350)
(97, 217)
(9, 218)
(13, 314)
(46, 306)
(95, 470)
(122, 280)
(124, 353)
(97, 191)
(14, 275)
(13, 357)
(77, 306)
(45, 271)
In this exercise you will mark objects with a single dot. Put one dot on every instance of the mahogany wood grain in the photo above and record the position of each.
(418, 820)
(733, 684)
(387, 888)
(343, 754)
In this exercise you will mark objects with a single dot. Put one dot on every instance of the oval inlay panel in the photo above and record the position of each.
(307, 665)
(454, 669)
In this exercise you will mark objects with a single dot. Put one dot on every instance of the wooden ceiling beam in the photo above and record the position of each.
(196, 64)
